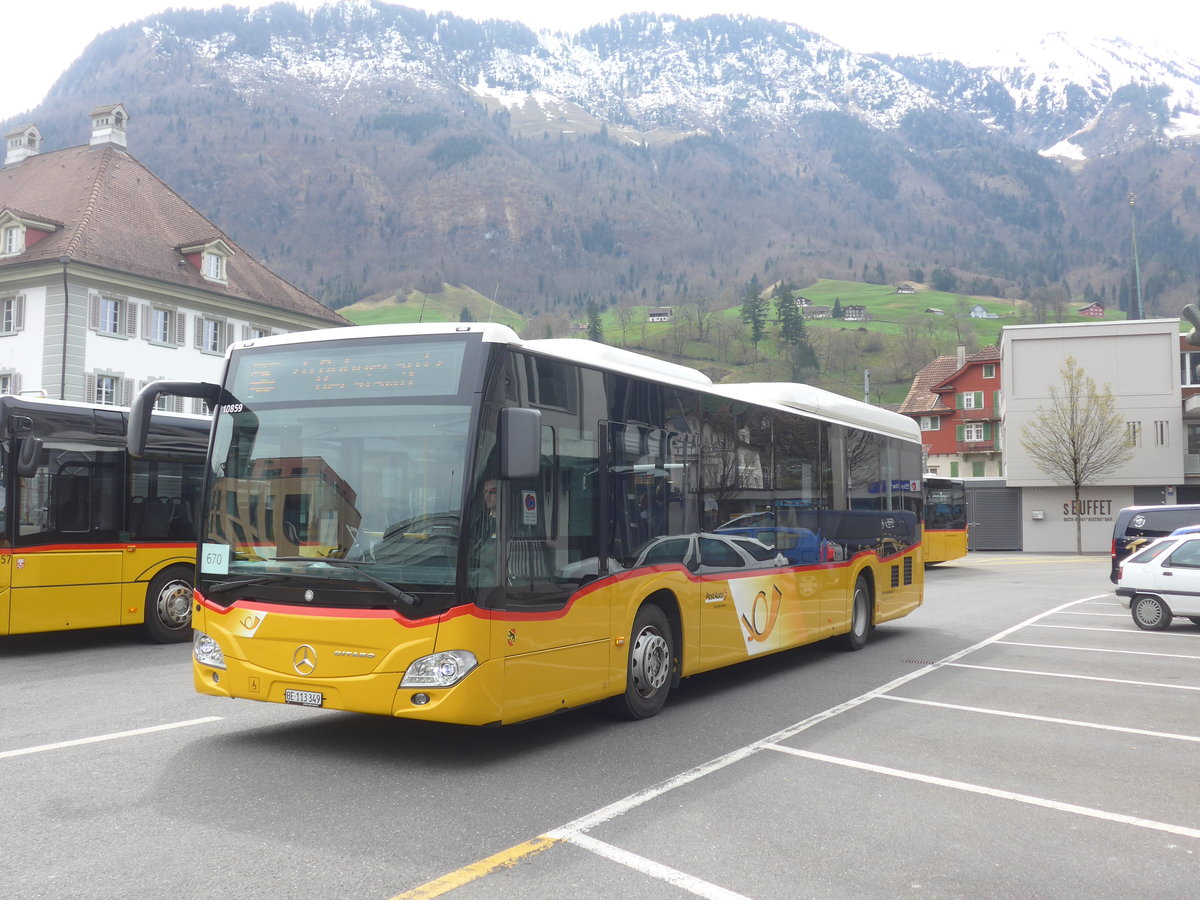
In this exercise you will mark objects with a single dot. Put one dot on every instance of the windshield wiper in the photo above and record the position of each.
(242, 582)
(403, 596)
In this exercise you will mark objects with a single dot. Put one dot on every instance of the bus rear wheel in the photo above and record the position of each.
(861, 625)
(168, 617)
(651, 665)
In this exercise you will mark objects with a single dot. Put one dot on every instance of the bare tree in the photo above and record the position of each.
(1080, 438)
(624, 319)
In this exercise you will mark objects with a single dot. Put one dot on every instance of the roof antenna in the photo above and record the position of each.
(495, 294)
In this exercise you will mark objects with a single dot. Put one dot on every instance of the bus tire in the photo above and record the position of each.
(168, 616)
(651, 665)
(861, 625)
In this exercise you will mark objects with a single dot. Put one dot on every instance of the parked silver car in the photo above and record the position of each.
(1162, 581)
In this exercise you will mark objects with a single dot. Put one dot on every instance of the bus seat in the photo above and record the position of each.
(137, 515)
(181, 525)
(529, 561)
(157, 518)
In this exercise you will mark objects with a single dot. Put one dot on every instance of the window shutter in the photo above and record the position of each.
(953, 470)
(958, 432)
(178, 404)
(987, 431)
(147, 321)
(180, 328)
(89, 388)
(15, 381)
(19, 312)
(229, 333)
(245, 332)
(131, 323)
(979, 399)
(996, 402)
(958, 401)
(94, 311)
(199, 332)
(127, 392)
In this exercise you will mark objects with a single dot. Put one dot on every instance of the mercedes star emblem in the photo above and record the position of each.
(304, 660)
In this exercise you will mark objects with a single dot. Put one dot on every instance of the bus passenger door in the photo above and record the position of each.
(66, 567)
(553, 631)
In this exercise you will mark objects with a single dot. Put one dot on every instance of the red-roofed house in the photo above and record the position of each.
(956, 402)
(109, 279)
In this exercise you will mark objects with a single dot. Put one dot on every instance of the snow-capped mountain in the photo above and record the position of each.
(364, 148)
(647, 72)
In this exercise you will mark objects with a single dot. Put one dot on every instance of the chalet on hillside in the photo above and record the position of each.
(1093, 310)
(905, 288)
(660, 314)
(853, 312)
(818, 312)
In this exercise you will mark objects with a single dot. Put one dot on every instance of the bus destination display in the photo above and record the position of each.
(309, 373)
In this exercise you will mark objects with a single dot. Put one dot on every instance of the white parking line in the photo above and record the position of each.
(1051, 719)
(42, 748)
(655, 870)
(1176, 687)
(1102, 615)
(1097, 649)
(1181, 830)
(1187, 634)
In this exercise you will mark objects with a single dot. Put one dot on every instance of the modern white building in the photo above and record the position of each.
(109, 279)
(1140, 362)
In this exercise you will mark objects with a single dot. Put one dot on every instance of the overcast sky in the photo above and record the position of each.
(43, 38)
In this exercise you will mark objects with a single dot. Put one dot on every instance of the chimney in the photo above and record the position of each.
(961, 356)
(108, 126)
(22, 143)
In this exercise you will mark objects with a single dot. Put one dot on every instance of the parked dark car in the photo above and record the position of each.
(1137, 526)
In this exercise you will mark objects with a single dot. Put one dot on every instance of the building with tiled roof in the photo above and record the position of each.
(956, 402)
(109, 279)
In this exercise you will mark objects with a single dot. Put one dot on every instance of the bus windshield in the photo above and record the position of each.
(335, 481)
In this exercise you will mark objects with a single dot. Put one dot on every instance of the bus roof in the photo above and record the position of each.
(805, 398)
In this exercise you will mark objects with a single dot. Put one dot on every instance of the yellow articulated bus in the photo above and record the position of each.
(91, 537)
(945, 528)
(448, 523)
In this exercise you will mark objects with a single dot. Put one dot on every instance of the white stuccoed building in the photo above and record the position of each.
(109, 279)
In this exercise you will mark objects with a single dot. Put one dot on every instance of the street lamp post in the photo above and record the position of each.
(1139, 311)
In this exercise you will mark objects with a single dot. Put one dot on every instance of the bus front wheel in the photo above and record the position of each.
(860, 616)
(651, 663)
(168, 617)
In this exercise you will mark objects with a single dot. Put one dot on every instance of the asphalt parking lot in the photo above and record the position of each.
(1017, 736)
(1056, 758)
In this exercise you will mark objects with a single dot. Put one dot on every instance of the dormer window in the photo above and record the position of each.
(210, 258)
(212, 266)
(19, 231)
(14, 240)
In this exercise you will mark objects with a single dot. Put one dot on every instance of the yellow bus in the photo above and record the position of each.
(945, 527)
(449, 523)
(91, 537)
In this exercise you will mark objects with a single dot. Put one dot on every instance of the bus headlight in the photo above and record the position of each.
(207, 651)
(440, 669)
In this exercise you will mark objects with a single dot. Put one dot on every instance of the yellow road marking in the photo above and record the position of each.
(502, 860)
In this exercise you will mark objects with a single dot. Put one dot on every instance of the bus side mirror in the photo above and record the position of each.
(520, 442)
(27, 458)
(143, 405)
